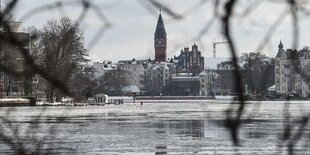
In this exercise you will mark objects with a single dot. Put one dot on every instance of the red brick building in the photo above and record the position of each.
(160, 41)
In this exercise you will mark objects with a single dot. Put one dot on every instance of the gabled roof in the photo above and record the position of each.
(101, 68)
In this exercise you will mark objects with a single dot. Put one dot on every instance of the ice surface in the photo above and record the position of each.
(157, 127)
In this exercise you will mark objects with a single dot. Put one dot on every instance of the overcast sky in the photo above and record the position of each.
(133, 24)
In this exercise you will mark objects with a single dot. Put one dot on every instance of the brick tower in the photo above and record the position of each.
(160, 41)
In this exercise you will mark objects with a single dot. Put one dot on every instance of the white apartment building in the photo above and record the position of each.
(162, 72)
(292, 72)
(204, 78)
(102, 68)
(135, 69)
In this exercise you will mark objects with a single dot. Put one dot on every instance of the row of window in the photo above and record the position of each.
(184, 79)
(288, 71)
(15, 87)
(288, 79)
(288, 63)
(289, 88)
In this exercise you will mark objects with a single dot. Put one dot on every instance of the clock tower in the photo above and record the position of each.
(160, 41)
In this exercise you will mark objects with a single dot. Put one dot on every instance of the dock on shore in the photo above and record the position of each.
(174, 98)
(14, 102)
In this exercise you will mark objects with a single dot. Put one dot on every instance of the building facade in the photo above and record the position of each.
(205, 83)
(185, 85)
(136, 69)
(102, 67)
(196, 62)
(11, 57)
(157, 77)
(292, 72)
(190, 60)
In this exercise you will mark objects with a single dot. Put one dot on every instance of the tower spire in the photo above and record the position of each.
(280, 46)
(160, 40)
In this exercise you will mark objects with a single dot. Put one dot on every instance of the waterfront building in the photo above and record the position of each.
(184, 85)
(160, 76)
(135, 70)
(11, 57)
(205, 86)
(214, 82)
(292, 72)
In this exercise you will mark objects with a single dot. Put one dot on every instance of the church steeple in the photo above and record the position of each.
(160, 40)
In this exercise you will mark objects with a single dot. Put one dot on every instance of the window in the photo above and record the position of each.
(19, 64)
(1, 88)
(203, 92)
(1, 76)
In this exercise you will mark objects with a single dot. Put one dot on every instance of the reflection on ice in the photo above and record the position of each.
(160, 150)
(165, 128)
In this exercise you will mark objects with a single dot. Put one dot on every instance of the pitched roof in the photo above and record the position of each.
(160, 27)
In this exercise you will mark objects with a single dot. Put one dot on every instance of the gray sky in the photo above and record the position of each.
(132, 27)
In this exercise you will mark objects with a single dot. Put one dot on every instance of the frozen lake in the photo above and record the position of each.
(172, 127)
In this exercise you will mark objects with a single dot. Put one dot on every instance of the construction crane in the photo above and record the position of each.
(214, 46)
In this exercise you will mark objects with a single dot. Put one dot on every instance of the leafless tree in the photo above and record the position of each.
(63, 52)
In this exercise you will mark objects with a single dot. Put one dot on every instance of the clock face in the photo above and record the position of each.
(160, 41)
